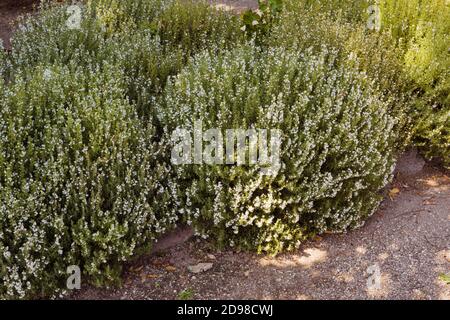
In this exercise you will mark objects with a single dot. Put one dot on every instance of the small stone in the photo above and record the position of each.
(246, 273)
(211, 257)
(447, 255)
(201, 267)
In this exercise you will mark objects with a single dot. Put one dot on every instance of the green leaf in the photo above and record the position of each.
(249, 16)
(262, 4)
(445, 277)
(276, 5)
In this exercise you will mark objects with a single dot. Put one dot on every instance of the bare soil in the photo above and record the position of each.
(9, 11)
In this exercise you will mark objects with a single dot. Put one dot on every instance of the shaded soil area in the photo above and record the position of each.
(9, 11)
(407, 241)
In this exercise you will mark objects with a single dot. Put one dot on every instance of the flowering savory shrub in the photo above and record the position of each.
(117, 16)
(317, 23)
(194, 25)
(188, 24)
(83, 170)
(336, 152)
(80, 179)
(150, 39)
(45, 39)
(145, 62)
(422, 30)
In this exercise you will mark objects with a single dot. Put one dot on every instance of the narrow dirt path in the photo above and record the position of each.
(407, 240)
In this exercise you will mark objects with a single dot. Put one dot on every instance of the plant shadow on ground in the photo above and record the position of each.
(407, 239)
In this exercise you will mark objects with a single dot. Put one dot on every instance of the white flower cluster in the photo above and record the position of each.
(84, 174)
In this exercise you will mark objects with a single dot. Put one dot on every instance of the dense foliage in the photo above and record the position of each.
(87, 112)
(80, 183)
(83, 172)
(408, 58)
(314, 24)
(336, 153)
(422, 30)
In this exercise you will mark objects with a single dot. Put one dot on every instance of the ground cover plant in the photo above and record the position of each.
(422, 29)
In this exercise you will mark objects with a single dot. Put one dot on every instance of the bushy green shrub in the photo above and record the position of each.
(408, 59)
(188, 24)
(45, 39)
(83, 171)
(313, 24)
(336, 153)
(195, 25)
(150, 39)
(349, 10)
(86, 116)
(145, 62)
(422, 30)
(80, 179)
(118, 16)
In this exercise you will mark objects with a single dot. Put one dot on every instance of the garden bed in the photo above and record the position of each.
(94, 97)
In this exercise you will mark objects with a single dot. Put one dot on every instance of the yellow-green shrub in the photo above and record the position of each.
(422, 29)
(336, 24)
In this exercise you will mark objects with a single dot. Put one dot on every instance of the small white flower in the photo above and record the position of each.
(243, 28)
(259, 12)
(254, 23)
(47, 74)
